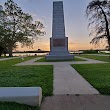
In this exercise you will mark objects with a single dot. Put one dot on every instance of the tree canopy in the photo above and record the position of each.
(17, 26)
(98, 13)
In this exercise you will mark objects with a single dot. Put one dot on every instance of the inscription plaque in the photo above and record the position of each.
(59, 42)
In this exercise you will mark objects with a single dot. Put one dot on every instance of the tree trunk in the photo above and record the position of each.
(10, 48)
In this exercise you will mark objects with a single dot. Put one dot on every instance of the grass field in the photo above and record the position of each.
(4, 57)
(97, 74)
(44, 60)
(19, 76)
(101, 58)
(15, 106)
(25, 76)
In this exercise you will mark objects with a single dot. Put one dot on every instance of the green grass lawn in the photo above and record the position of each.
(25, 76)
(4, 57)
(15, 106)
(96, 74)
(44, 60)
(101, 58)
(17, 60)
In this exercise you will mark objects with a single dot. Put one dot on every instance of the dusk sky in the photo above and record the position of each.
(75, 22)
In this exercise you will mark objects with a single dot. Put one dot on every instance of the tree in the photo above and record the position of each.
(18, 26)
(3, 50)
(98, 12)
(1, 32)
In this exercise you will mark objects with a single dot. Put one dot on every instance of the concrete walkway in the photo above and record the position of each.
(71, 90)
(72, 102)
(66, 79)
(33, 62)
(3, 59)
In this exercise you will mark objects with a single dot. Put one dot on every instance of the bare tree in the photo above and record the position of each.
(98, 13)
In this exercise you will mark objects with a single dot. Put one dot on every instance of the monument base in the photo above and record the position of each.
(59, 57)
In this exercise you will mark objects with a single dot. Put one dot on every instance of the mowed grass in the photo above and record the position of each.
(15, 106)
(44, 60)
(15, 61)
(95, 57)
(4, 57)
(96, 74)
(25, 76)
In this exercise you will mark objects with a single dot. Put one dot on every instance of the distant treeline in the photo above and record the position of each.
(32, 51)
(90, 51)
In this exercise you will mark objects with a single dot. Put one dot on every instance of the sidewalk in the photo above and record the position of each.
(33, 62)
(72, 102)
(68, 81)
(3, 59)
(71, 91)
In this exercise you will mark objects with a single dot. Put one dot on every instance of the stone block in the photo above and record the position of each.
(23, 95)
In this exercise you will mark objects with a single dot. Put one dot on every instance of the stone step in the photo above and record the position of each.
(23, 95)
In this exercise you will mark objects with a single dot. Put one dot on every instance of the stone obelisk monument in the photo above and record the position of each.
(58, 41)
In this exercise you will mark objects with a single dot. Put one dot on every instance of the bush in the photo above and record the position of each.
(90, 51)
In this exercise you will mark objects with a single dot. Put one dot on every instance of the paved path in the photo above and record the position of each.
(72, 102)
(67, 83)
(32, 62)
(3, 59)
(66, 79)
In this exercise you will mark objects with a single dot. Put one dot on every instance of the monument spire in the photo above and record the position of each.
(58, 28)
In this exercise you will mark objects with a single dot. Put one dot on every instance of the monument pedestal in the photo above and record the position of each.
(59, 49)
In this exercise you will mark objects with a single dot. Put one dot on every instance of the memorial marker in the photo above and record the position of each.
(58, 41)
